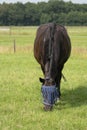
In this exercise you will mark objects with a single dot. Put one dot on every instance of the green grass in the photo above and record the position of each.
(78, 36)
(21, 105)
(22, 35)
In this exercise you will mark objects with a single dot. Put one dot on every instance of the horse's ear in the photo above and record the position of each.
(41, 80)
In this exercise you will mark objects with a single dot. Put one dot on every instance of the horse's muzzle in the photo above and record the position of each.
(50, 95)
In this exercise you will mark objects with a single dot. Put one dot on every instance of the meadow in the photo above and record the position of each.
(21, 105)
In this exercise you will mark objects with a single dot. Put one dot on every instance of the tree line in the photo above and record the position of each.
(65, 13)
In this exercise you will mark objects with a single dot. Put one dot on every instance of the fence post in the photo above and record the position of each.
(10, 30)
(14, 46)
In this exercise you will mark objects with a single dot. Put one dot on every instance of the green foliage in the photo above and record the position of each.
(45, 18)
(77, 18)
(65, 13)
(31, 14)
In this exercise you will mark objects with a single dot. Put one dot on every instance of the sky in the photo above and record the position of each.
(35, 1)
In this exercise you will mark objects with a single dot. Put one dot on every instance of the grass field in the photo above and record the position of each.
(21, 105)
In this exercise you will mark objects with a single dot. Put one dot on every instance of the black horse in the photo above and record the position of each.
(52, 48)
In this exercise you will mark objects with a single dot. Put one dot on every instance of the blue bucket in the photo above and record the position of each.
(50, 94)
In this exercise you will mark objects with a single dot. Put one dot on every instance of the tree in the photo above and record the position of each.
(61, 12)
(4, 14)
(31, 14)
(45, 18)
(16, 14)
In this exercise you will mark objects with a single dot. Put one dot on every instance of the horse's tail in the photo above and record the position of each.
(64, 77)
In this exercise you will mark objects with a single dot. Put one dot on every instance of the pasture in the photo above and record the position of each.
(21, 105)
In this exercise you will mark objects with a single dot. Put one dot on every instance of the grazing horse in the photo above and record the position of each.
(52, 48)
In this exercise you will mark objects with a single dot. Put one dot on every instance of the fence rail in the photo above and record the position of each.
(18, 49)
(21, 39)
(16, 39)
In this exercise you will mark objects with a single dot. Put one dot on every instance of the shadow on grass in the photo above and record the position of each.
(73, 98)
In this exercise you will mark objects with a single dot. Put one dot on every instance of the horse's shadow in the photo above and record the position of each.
(73, 98)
